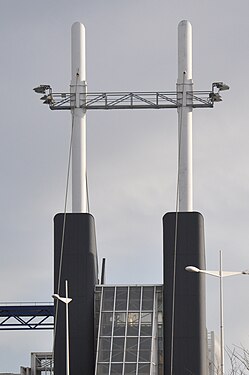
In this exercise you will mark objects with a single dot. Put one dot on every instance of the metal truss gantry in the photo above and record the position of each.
(129, 100)
(23, 317)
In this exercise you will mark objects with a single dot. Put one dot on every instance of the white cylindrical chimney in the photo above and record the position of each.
(184, 85)
(78, 87)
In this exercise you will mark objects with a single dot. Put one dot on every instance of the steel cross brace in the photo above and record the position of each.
(128, 100)
(21, 317)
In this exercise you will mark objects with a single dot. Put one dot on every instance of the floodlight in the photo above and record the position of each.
(48, 99)
(220, 86)
(215, 97)
(224, 87)
(41, 89)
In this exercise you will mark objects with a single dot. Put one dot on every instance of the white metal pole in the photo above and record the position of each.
(67, 331)
(78, 87)
(184, 85)
(221, 320)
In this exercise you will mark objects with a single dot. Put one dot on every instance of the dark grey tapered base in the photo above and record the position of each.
(190, 337)
(79, 267)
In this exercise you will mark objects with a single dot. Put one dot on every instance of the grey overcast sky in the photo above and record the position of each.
(132, 155)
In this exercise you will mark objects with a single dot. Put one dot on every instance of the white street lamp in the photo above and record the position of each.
(220, 274)
(65, 300)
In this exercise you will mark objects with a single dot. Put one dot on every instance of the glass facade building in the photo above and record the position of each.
(128, 330)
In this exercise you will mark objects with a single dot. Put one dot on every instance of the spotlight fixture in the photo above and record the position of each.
(215, 97)
(42, 89)
(44, 97)
(48, 99)
(220, 86)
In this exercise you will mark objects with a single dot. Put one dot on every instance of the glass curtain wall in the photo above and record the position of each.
(129, 330)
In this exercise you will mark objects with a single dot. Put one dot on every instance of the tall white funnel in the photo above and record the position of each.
(78, 87)
(184, 85)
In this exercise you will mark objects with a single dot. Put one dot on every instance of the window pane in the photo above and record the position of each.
(121, 298)
(144, 356)
(118, 349)
(130, 369)
(103, 369)
(159, 296)
(131, 349)
(160, 330)
(160, 344)
(119, 324)
(145, 349)
(160, 356)
(96, 323)
(132, 324)
(104, 349)
(116, 368)
(146, 324)
(143, 369)
(145, 343)
(148, 299)
(106, 324)
(134, 298)
(108, 299)
(97, 300)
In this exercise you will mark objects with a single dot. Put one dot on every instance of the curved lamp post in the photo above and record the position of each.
(65, 300)
(220, 274)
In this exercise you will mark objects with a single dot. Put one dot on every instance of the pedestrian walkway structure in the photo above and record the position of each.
(26, 316)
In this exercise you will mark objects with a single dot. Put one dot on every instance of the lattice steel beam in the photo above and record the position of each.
(22, 317)
(128, 100)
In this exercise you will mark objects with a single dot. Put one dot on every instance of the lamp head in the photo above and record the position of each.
(48, 99)
(65, 300)
(246, 272)
(192, 269)
(41, 89)
(220, 86)
(215, 97)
